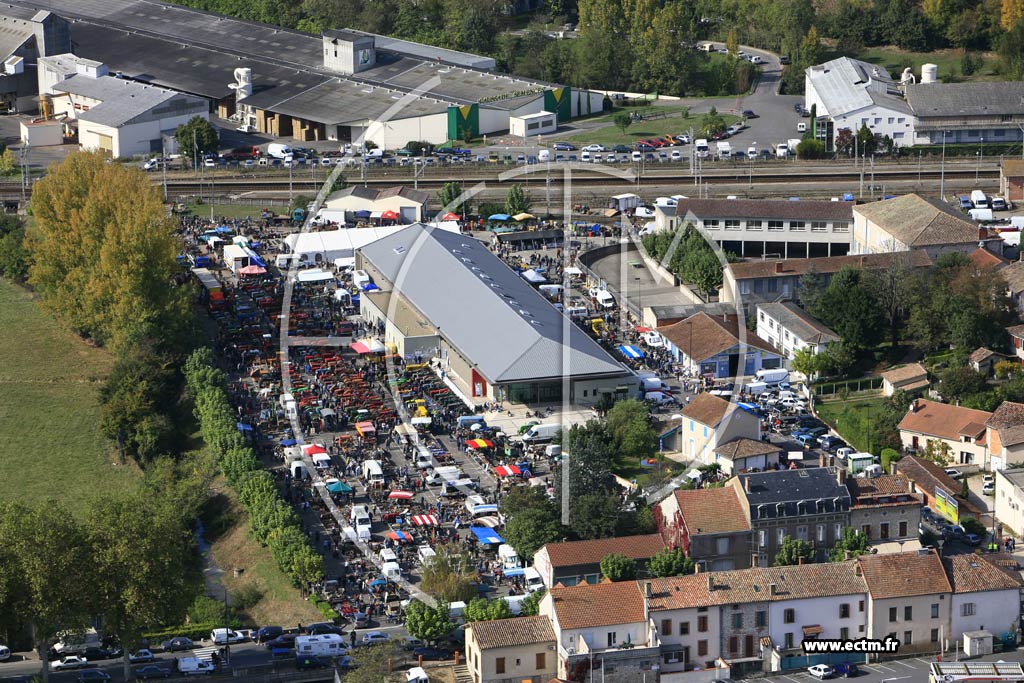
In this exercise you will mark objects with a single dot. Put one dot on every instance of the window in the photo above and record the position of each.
(788, 616)
(884, 530)
(666, 627)
(908, 613)
(866, 530)
(734, 645)
(781, 535)
(935, 635)
(684, 628)
(903, 529)
(612, 635)
(819, 226)
(797, 225)
(789, 641)
(722, 545)
(908, 637)
(878, 120)
(775, 226)
(935, 610)
(702, 624)
(762, 538)
(702, 648)
(900, 120)
(890, 120)
(844, 610)
(821, 533)
(860, 605)
(499, 665)
(844, 633)
(760, 316)
(541, 661)
(732, 225)
(897, 136)
(760, 618)
(801, 533)
(838, 530)
(711, 225)
(755, 225)
(892, 614)
(967, 609)
(840, 227)
(737, 620)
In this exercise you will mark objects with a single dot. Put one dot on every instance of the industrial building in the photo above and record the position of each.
(445, 295)
(340, 85)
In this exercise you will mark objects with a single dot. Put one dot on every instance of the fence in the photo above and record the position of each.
(832, 389)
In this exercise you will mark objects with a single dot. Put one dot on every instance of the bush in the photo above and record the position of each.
(329, 613)
(193, 631)
(810, 149)
(889, 456)
(973, 526)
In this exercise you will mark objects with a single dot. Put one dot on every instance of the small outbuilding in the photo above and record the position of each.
(541, 123)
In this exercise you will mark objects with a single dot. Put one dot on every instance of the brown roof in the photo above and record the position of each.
(903, 575)
(1014, 276)
(976, 573)
(712, 511)
(905, 373)
(824, 264)
(708, 409)
(980, 354)
(1008, 420)
(942, 420)
(746, 448)
(886, 490)
(511, 632)
(1012, 167)
(926, 476)
(983, 258)
(600, 604)
(830, 579)
(1016, 331)
(918, 221)
(578, 553)
(420, 196)
(765, 208)
(702, 336)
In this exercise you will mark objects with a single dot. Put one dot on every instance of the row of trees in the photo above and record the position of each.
(273, 522)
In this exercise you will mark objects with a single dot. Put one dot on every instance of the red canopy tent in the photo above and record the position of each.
(313, 449)
(425, 520)
(400, 495)
(507, 470)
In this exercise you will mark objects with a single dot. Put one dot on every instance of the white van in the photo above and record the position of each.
(279, 151)
(515, 603)
(70, 643)
(605, 299)
(509, 557)
(359, 515)
(388, 555)
(544, 155)
(756, 388)
(541, 433)
(772, 376)
(979, 199)
(701, 149)
(533, 581)
(373, 473)
(225, 636)
(981, 215)
(425, 554)
(193, 666)
(325, 645)
(577, 311)
(782, 150)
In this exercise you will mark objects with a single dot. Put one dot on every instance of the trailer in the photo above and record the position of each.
(624, 202)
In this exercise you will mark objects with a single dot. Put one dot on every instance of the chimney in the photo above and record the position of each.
(778, 267)
(847, 555)
(800, 561)
(746, 484)
(648, 591)
(711, 582)
(913, 406)
(863, 261)
(841, 476)
(773, 588)
(857, 570)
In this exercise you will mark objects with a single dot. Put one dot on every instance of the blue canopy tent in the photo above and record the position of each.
(631, 352)
(498, 217)
(486, 509)
(486, 536)
(289, 442)
(339, 487)
(363, 214)
(516, 571)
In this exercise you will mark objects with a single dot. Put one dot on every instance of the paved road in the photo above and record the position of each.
(910, 670)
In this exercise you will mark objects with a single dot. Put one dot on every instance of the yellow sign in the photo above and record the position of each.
(947, 506)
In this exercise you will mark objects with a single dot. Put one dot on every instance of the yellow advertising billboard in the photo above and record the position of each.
(946, 505)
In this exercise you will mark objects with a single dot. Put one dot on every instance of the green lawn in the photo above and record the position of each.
(895, 60)
(853, 419)
(233, 210)
(673, 124)
(51, 447)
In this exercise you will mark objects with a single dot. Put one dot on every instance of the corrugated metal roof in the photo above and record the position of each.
(845, 85)
(970, 99)
(120, 100)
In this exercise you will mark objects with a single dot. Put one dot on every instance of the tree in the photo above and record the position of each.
(595, 515)
(195, 138)
(705, 271)
(1011, 14)
(530, 607)
(792, 551)
(810, 49)
(517, 200)
(528, 529)
(957, 383)
(888, 457)
(853, 542)
(592, 455)
(618, 567)
(711, 123)
(482, 609)
(429, 624)
(810, 291)
(865, 141)
(13, 255)
(670, 562)
(844, 142)
(732, 44)
(810, 149)
(807, 362)
(448, 197)
(8, 162)
(629, 424)
(891, 289)
(937, 452)
(623, 121)
(450, 575)
(848, 306)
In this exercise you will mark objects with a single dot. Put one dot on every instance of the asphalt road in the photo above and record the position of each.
(910, 670)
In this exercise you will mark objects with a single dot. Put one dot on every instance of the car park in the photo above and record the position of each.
(68, 663)
(92, 675)
(821, 671)
(145, 673)
(564, 147)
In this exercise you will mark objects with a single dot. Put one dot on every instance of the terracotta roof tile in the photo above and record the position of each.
(981, 354)
(918, 221)
(712, 511)
(886, 490)
(702, 336)
(902, 575)
(745, 448)
(983, 258)
(747, 270)
(577, 553)
(511, 632)
(926, 476)
(942, 420)
(905, 373)
(975, 573)
(707, 409)
(1008, 421)
(601, 604)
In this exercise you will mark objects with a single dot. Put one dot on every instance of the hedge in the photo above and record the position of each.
(325, 609)
(193, 631)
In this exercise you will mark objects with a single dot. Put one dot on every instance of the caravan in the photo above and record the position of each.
(324, 645)
(373, 473)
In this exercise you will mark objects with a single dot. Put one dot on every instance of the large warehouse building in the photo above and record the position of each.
(336, 86)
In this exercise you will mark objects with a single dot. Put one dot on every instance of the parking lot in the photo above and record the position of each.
(913, 669)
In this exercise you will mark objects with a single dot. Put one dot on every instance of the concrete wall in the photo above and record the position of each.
(1009, 504)
(396, 133)
(993, 611)
(920, 625)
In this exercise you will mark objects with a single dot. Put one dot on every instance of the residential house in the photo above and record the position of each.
(1017, 341)
(909, 377)
(912, 222)
(789, 329)
(716, 346)
(982, 259)
(743, 454)
(908, 599)
(808, 504)
(709, 421)
(983, 360)
(762, 227)
(885, 509)
(1009, 499)
(986, 594)
(708, 525)
(955, 430)
(1011, 179)
(511, 650)
(932, 482)
(1014, 276)
(749, 283)
(573, 562)
(1005, 435)
(604, 621)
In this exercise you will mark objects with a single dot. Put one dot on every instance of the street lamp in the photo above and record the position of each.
(640, 302)
(942, 174)
(750, 166)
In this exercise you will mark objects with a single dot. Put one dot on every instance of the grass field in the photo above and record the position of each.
(233, 210)
(853, 419)
(894, 60)
(673, 124)
(52, 447)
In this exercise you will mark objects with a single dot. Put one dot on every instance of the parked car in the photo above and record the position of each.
(285, 640)
(145, 673)
(90, 675)
(95, 654)
(622, 149)
(972, 539)
(821, 671)
(323, 629)
(683, 139)
(178, 644)
(594, 148)
(784, 60)
(68, 663)
(311, 662)
(564, 147)
(141, 657)
(846, 670)
(999, 204)
(954, 473)
(267, 633)
(432, 653)
(5, 653)
(374, 637)
(989, 488)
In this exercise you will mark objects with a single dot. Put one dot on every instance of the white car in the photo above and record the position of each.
(677, 155)
(988, 479)
(643, 212)
(69, 662)
(374, 637)
(652, 339)
(756, 59)
(821, 671)
(594, 148)
(989, 488)
(5, 653)
(141, 657)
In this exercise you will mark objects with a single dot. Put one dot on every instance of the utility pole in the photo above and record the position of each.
(942, 173)
(163, 165)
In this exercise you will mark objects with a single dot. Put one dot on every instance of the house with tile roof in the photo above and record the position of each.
(909, 377)
(927, 479)
(1014, 276)
(1005, 435)
(742, 454)
(912, 222)
(959, 431)
(573, 562)
(809, 504)
(1017, 342)
(986, 593)
(511, 650)
(908, 599)
(715, 346)
(983, 360)
(708, 525)
(886, 510)
(710, 421)
(790, 328)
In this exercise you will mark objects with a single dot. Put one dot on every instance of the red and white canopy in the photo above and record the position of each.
(507, 470)
(400, 495)
(425, 520)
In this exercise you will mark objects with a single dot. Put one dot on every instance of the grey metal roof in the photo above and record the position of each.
(846, 85)
(970, 99)
(798, 322)
(484, 309)
(779, 492)
(14, 32)
(429, 52)
(121, 100)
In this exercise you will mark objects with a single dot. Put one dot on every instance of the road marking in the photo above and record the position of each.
(883, 666)
(905, 664)
(795, 680)
(923, 661)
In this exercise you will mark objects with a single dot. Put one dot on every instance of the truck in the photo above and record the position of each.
(277, 150)
(69, 642)
(700, 149)
(724, 150)
(541, 433)
(624, 202)
(509, 557)
(773, 376)
(327, 216)
(325, 645)
(782, 150)
(359, 515)
(193, 666)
